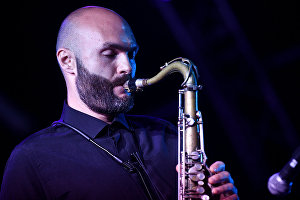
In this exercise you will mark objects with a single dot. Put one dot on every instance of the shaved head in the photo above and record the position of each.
(69, 32)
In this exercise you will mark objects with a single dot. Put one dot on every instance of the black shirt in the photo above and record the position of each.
(58, 163)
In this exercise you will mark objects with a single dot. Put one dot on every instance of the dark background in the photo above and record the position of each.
(247, 53)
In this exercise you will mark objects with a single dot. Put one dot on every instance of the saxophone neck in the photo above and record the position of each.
(182, 65)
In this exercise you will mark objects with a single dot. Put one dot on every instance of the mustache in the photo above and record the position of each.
(121, 80)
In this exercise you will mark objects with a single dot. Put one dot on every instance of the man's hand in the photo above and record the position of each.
(222, 182)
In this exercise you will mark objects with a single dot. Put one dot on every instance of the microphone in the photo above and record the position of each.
(280, 183)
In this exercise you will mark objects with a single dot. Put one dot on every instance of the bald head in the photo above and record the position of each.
(82, 19)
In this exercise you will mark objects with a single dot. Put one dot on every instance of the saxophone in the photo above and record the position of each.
(193, 174)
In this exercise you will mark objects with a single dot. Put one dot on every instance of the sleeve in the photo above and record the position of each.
(20, 179)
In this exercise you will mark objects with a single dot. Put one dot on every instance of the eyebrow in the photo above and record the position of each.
(108, 45)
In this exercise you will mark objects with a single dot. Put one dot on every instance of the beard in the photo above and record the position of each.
(97, 92)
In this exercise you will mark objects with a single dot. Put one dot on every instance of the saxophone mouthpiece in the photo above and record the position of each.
(135, 85)
(130, 86)
(126, 86)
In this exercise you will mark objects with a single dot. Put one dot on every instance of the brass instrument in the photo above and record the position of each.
(193, 175)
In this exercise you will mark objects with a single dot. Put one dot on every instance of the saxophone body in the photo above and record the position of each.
(193, 174)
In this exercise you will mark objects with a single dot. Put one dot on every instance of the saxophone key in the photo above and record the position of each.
(201, 176)
(193, 172)
(194, 155)
(205, 197)
(198, 166)
(199, 189)
(200, 183)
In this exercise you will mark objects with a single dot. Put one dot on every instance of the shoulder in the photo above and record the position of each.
(22, 176)
(26, 156)
(38, 141)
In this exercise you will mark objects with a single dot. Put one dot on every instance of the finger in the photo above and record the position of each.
(217, 167)
(222, 177)
(177, 168)
(225, 189)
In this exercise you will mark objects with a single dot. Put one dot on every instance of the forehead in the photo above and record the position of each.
(103, 29)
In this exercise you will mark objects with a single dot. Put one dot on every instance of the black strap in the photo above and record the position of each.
(134, 165)
(150, 189)
(126, 165)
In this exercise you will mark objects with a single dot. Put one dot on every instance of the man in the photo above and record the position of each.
(95, 51)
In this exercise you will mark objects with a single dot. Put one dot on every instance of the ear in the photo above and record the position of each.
(67, 61)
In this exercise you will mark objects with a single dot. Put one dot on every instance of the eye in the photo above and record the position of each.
(109, 53)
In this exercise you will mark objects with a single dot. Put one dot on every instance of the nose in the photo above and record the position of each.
(125, 65)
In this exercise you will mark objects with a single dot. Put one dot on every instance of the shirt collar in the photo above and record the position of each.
(88, 124)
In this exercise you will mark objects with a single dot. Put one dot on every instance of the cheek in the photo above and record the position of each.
(101, 67)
